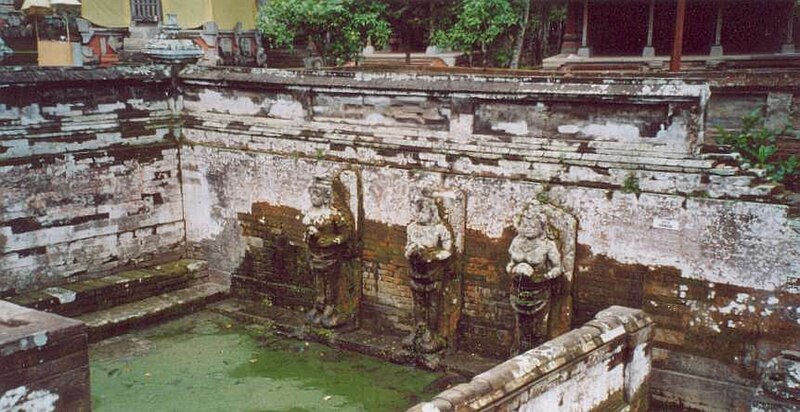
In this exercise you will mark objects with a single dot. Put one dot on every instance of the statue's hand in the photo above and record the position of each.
(553, 273)
(312, 231)
(443, 254)
(522, 269)
(327, 241)
(412, 249)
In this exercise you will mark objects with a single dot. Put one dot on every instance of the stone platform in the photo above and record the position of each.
(292, 324)
(114, 304)
(44, 361)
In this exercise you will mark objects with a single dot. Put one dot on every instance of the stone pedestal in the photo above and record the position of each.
(44, 362)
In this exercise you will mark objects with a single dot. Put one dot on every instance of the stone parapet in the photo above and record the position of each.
(603, 365)
(44, 361)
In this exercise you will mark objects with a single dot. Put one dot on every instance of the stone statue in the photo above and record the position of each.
(781, 377)
(329, 227)
(535, 266)
(429, 250)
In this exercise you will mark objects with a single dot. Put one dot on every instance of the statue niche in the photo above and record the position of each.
(541, 264)
(431, 253)
(331, 238)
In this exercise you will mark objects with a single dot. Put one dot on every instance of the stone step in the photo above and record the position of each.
(77, 298)
(120, 319)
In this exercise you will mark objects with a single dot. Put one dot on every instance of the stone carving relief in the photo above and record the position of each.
(780, 384)
(541, 266)
(331, 237)
(431, 250)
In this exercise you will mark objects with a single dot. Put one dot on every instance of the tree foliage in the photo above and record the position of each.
(337, 29)
(479, 23)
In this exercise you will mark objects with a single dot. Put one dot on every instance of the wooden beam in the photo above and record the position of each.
(677, 43)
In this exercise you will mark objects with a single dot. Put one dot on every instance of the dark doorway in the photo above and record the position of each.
(617, 28)
(754, 26)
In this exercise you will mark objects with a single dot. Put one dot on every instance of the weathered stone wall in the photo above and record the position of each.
(89, 176)
(90, 180)
(654, 217)
(604, 365)
(709, 250)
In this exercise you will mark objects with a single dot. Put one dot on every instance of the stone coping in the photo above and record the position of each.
(25, 75)
(615, 322)
(23, 329)
(454, 84)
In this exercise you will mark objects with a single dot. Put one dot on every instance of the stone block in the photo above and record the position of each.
(43, 361)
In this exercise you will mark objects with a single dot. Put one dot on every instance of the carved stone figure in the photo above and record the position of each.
(329, 228)
(537, 270)
(780, 380)
(429, 250)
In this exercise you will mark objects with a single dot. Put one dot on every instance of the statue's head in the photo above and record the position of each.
(426, 212)
(320, 191)
(531, 223)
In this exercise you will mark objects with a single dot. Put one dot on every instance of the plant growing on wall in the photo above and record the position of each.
(758, 147)
(336, 29)
(479, 23)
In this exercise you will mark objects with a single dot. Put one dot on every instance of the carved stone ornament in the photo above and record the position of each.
(430, 253)
(541, 264)
(329, 234)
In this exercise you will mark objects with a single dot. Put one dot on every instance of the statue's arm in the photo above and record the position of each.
(554, 256)
(511, 261)
(411, 246)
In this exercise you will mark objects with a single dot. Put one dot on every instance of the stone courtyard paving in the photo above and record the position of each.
(207, 362)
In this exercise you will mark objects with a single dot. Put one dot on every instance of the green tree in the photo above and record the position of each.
(337, 29)
(478, 25)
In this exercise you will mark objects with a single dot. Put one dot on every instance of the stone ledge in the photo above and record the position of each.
(508, 379)
(21, 76)
(45, 356)
(75, 298)
(385, 346)
(520, 86)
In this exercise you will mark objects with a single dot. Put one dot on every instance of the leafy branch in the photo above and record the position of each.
(758, 147)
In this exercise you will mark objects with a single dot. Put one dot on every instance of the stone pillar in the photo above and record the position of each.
(716, 49)
(649, 50)
(584, 50)
(788, 46)
(571, 37)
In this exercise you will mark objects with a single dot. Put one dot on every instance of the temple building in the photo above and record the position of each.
(107, 31)
(604, 34)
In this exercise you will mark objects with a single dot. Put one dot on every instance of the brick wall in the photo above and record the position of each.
(89, 176)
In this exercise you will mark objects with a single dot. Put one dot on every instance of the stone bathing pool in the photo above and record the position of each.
(209, 362)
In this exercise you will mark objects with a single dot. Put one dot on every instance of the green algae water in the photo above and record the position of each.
(207, 362)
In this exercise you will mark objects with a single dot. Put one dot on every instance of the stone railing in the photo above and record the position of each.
(603, 365)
